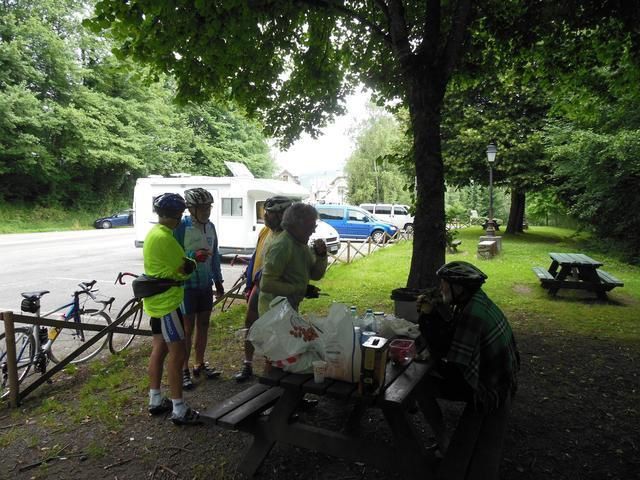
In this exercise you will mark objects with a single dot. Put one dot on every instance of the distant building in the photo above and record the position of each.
(287, 176)
(334, 191)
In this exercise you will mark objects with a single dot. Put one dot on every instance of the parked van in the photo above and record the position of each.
(237, 210)
(396, 214)
(354, 222)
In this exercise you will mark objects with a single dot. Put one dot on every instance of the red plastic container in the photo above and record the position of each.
(402, 351)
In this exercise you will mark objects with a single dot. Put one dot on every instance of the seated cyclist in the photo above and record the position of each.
(165, 258)
(471, 342)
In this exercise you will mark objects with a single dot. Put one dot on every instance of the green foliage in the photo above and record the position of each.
(372, 175)
(598, 178)
(19, 217)
(78, 126)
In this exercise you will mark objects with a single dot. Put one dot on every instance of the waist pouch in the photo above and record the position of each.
(145, 286)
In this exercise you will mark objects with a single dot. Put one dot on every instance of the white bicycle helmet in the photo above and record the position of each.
(196, 197)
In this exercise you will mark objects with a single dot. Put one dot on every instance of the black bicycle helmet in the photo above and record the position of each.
(277, 204)
(196, 197)
(462, 273)
(169, 205)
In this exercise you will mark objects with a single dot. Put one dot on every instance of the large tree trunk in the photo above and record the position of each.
(516, 211)
(429, 242)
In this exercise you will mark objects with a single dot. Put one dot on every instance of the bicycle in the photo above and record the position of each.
(133, 308)
(232, 294)
(34, 344)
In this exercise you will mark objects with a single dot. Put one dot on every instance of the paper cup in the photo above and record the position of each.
(319, 371)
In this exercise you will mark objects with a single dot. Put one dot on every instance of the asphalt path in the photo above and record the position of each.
(58, 261)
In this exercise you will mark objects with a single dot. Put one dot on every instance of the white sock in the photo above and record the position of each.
(155, 397)
(179, 407)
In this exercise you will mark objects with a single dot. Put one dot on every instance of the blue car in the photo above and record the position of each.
(355, 223)
(122, 219)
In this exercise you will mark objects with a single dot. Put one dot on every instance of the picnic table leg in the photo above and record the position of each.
(560, 277)
(590, 275)
(265, 433)
(409, 444)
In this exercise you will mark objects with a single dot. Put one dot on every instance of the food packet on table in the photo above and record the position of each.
(393, 326)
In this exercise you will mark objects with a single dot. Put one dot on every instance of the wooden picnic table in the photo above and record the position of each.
(283, 392)
(576, 271)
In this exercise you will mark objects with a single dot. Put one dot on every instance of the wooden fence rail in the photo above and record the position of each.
(10, 319)
(352, 250)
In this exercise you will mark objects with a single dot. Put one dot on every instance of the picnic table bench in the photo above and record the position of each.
(283, 393)
(576, 271)
(453, 245)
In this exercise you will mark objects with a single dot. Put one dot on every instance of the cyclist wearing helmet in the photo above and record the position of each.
(198, 237)
(274, 208)
(165, 258)
(477, 360)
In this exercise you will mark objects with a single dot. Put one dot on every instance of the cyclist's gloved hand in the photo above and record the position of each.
(312, 291)
(219, 289)
(202, 255)
(188, 266)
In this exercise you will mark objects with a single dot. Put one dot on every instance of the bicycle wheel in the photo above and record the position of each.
(25, 351)
(68, 341)
(119, 341)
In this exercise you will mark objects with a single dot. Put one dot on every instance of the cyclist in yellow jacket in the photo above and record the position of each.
(165, 258)
(274, 208)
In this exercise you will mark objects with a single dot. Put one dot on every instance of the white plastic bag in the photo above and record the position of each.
(285, 338)
(340, 347)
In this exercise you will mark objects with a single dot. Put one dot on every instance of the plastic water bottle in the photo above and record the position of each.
(368, 321)
(378, 321)
(357, 332)
(357, 355)
(354, 316)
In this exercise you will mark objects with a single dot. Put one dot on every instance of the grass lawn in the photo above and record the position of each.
(21, 219)
(511, 284)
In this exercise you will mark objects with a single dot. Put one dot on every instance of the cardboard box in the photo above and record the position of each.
(374, 365)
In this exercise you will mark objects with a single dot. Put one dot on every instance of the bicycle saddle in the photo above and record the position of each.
(34, 295)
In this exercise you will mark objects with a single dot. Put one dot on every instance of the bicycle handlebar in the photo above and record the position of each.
(238, 258)
(124, 274)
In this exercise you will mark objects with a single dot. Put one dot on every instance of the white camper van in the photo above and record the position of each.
(237, 211)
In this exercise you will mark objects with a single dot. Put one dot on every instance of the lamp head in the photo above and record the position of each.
(491, 153)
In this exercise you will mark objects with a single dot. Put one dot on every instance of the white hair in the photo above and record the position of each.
(297, 215)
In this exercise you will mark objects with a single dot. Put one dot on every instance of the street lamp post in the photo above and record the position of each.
(491, 157)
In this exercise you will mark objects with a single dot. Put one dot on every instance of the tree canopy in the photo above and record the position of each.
(292, 63)
(78, 126)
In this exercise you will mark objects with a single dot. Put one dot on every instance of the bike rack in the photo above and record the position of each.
(9, 318)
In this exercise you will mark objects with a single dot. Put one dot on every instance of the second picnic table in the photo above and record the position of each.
(577, 271)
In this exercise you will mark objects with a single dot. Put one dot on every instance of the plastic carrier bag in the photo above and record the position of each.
(283, 336)
(339, 346)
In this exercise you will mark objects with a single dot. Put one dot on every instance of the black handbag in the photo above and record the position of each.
(145, 286)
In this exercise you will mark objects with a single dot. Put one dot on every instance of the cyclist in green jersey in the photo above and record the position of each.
(165, 258)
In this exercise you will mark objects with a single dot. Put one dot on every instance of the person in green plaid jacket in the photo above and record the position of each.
(476, 359)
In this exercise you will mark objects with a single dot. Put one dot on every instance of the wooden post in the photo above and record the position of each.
(10, 339)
